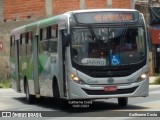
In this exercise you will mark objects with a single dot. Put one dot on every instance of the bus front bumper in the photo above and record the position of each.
(77, 91)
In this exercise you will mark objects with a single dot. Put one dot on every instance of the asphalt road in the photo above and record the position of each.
(98, 109)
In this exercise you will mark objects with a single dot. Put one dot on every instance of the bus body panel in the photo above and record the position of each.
(41, 69)
(78, 93)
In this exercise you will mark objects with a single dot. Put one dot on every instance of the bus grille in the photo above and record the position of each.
(102, 92)
(111, 71)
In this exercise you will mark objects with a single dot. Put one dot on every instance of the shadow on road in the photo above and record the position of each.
(95, 106)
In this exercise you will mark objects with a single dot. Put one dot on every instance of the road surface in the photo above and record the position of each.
(98, 109)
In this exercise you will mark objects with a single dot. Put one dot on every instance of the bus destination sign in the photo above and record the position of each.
(113, 17)
(106, 17)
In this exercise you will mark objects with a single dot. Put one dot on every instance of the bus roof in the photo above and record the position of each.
(96, 10)
(34, 25)
(50, 20)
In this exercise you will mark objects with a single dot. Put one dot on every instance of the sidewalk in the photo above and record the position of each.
(152, 79)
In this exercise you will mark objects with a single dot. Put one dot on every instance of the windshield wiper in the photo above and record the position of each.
(123, 36)
(94, 37)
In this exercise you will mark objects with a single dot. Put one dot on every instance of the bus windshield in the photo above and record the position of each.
(104, 46)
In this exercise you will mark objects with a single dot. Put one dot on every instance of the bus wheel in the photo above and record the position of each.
(123, 101)
(60, 102)
(29, 98)
(56, 93)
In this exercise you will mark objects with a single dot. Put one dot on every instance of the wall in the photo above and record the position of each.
(59, 6)
(16, 9)
(92, 4)
(121, 4)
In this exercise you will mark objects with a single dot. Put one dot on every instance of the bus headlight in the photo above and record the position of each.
(76, 79)
(143, 76)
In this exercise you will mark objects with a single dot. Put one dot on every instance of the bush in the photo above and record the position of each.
(157, 81)
(5, 84)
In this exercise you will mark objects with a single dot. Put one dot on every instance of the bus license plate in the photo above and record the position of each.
(110, 88)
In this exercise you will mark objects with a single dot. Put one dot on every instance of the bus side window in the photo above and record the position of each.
(44, 33)
(11, 41)
(49, 32)
(20, 45)
(54, 39)
(20, 40)
(30, 37)
(23, 39)
(53, 46)
(28, 42)
(23, 44)
(12, 45)
(41, 33)
(43, 40)
(54, 31)
(26, 38)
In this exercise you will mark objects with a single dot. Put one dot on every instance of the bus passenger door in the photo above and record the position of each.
(35, 64)
(62, 64)
(17, 66)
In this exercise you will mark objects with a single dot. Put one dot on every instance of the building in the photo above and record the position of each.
(151, 11)
(15, 13)
(28, 9)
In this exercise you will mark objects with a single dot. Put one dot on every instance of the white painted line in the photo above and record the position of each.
(154, 86)
(155, 92)
(23, 109)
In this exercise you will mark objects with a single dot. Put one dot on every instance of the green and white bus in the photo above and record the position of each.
(82, 54)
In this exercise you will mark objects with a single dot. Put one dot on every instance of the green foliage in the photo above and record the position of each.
(5, 84)
(157, 81)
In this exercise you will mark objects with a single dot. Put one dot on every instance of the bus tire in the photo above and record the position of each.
(62, 103)
(56, 93)
(29, 98)
(123, 101)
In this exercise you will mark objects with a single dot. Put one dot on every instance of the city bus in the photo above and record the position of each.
(82, 55)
